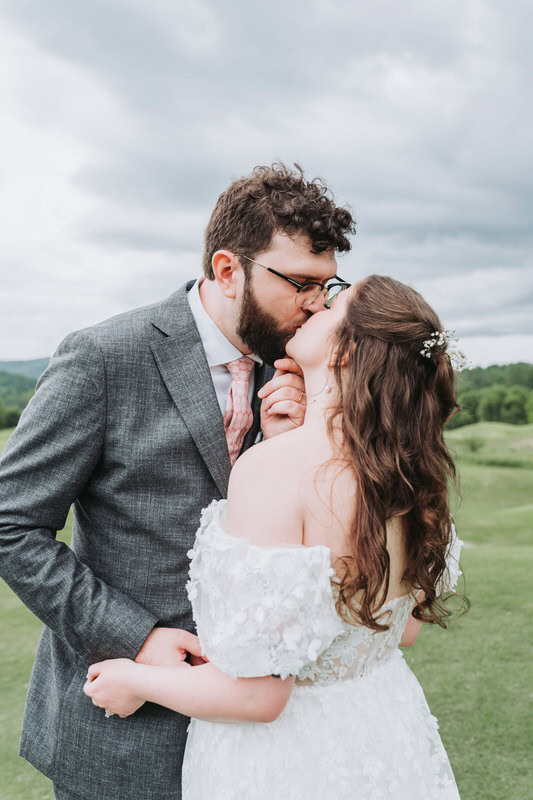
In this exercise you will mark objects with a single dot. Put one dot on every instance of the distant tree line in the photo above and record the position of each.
(495, 394)
(15, 393)
(489, 394)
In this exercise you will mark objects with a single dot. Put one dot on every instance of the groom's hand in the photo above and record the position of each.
(168, 647)
(283, 399)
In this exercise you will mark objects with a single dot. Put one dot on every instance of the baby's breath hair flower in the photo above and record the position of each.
(448, 344)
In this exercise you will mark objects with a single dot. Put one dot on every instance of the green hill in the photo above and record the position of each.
(15, 390)
(4, 436)
(518, 374)
(32, 369)
(495, 444)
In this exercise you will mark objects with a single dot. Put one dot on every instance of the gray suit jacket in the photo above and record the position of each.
(124, 425)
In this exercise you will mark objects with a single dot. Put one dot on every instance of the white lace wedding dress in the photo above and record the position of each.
(356, 726)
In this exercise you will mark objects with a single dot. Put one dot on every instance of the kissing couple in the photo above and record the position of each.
(259, 482)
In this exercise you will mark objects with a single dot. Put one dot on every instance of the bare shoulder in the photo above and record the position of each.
(274, 465)
(286, 445)
(263, 503)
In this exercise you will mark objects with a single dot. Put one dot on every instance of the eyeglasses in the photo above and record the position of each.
(332, 291)
(308, 292)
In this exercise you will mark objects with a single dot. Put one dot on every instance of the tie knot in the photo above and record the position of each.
(240, 368)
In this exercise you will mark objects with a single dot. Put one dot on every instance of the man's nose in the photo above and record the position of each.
(317, 304)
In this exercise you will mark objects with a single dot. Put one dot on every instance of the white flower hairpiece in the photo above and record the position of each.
(449, 342)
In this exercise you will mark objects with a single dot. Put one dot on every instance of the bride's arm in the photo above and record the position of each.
(412, 627)
(411, 631)
(122, 686)
(261, 508)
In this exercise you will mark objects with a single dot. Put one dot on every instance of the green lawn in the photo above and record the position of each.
(476, 675)
(494, 444)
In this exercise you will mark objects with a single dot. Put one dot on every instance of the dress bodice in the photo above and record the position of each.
(271, 610)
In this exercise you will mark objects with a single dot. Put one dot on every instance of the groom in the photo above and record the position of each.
(136, 423)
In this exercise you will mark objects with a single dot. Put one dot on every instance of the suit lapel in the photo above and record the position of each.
(183, 367)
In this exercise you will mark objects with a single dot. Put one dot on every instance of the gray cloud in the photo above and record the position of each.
(153, 180)
(415, 113)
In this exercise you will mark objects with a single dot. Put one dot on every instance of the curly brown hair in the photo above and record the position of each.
(392, 408)
(275, 199)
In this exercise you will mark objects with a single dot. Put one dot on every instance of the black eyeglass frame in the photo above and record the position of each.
(300, 286)
(328, 300)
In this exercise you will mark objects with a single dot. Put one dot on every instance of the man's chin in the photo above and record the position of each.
(260, 331)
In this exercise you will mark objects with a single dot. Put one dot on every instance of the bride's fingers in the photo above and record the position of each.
(92, 699)
(94, 670)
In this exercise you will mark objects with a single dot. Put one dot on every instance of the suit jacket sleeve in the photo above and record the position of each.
(46, 463)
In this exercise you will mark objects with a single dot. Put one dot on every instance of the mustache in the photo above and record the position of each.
(303, 322)
(299, 324)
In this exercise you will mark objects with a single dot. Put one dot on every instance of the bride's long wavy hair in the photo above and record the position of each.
(392, 406)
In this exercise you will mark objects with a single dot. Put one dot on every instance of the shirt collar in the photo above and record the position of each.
(218, 349)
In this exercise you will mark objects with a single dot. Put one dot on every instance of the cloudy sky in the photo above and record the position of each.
(121, 122)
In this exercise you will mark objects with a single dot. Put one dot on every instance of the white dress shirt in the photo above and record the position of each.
(218, 349)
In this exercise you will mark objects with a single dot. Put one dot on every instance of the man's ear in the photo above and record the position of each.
(225, 266)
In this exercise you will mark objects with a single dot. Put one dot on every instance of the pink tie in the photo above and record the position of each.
(238, 416)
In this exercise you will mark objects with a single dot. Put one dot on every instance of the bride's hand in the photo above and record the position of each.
(111, 685)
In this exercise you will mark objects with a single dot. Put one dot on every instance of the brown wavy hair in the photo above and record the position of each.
(271, 199)
(393, 404)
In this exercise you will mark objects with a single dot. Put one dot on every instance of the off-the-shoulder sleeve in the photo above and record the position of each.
(259, 610)
(452, 571)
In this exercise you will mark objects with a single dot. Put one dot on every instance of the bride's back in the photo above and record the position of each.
(310, 497)
(329, 493)
(288, 491)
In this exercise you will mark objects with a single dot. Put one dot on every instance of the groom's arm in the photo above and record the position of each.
(46, 464)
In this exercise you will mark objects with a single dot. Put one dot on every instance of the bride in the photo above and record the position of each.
(334, 545)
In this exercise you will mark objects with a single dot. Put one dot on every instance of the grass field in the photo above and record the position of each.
(477, 675)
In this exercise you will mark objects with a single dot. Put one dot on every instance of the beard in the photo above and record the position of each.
(258, 329)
